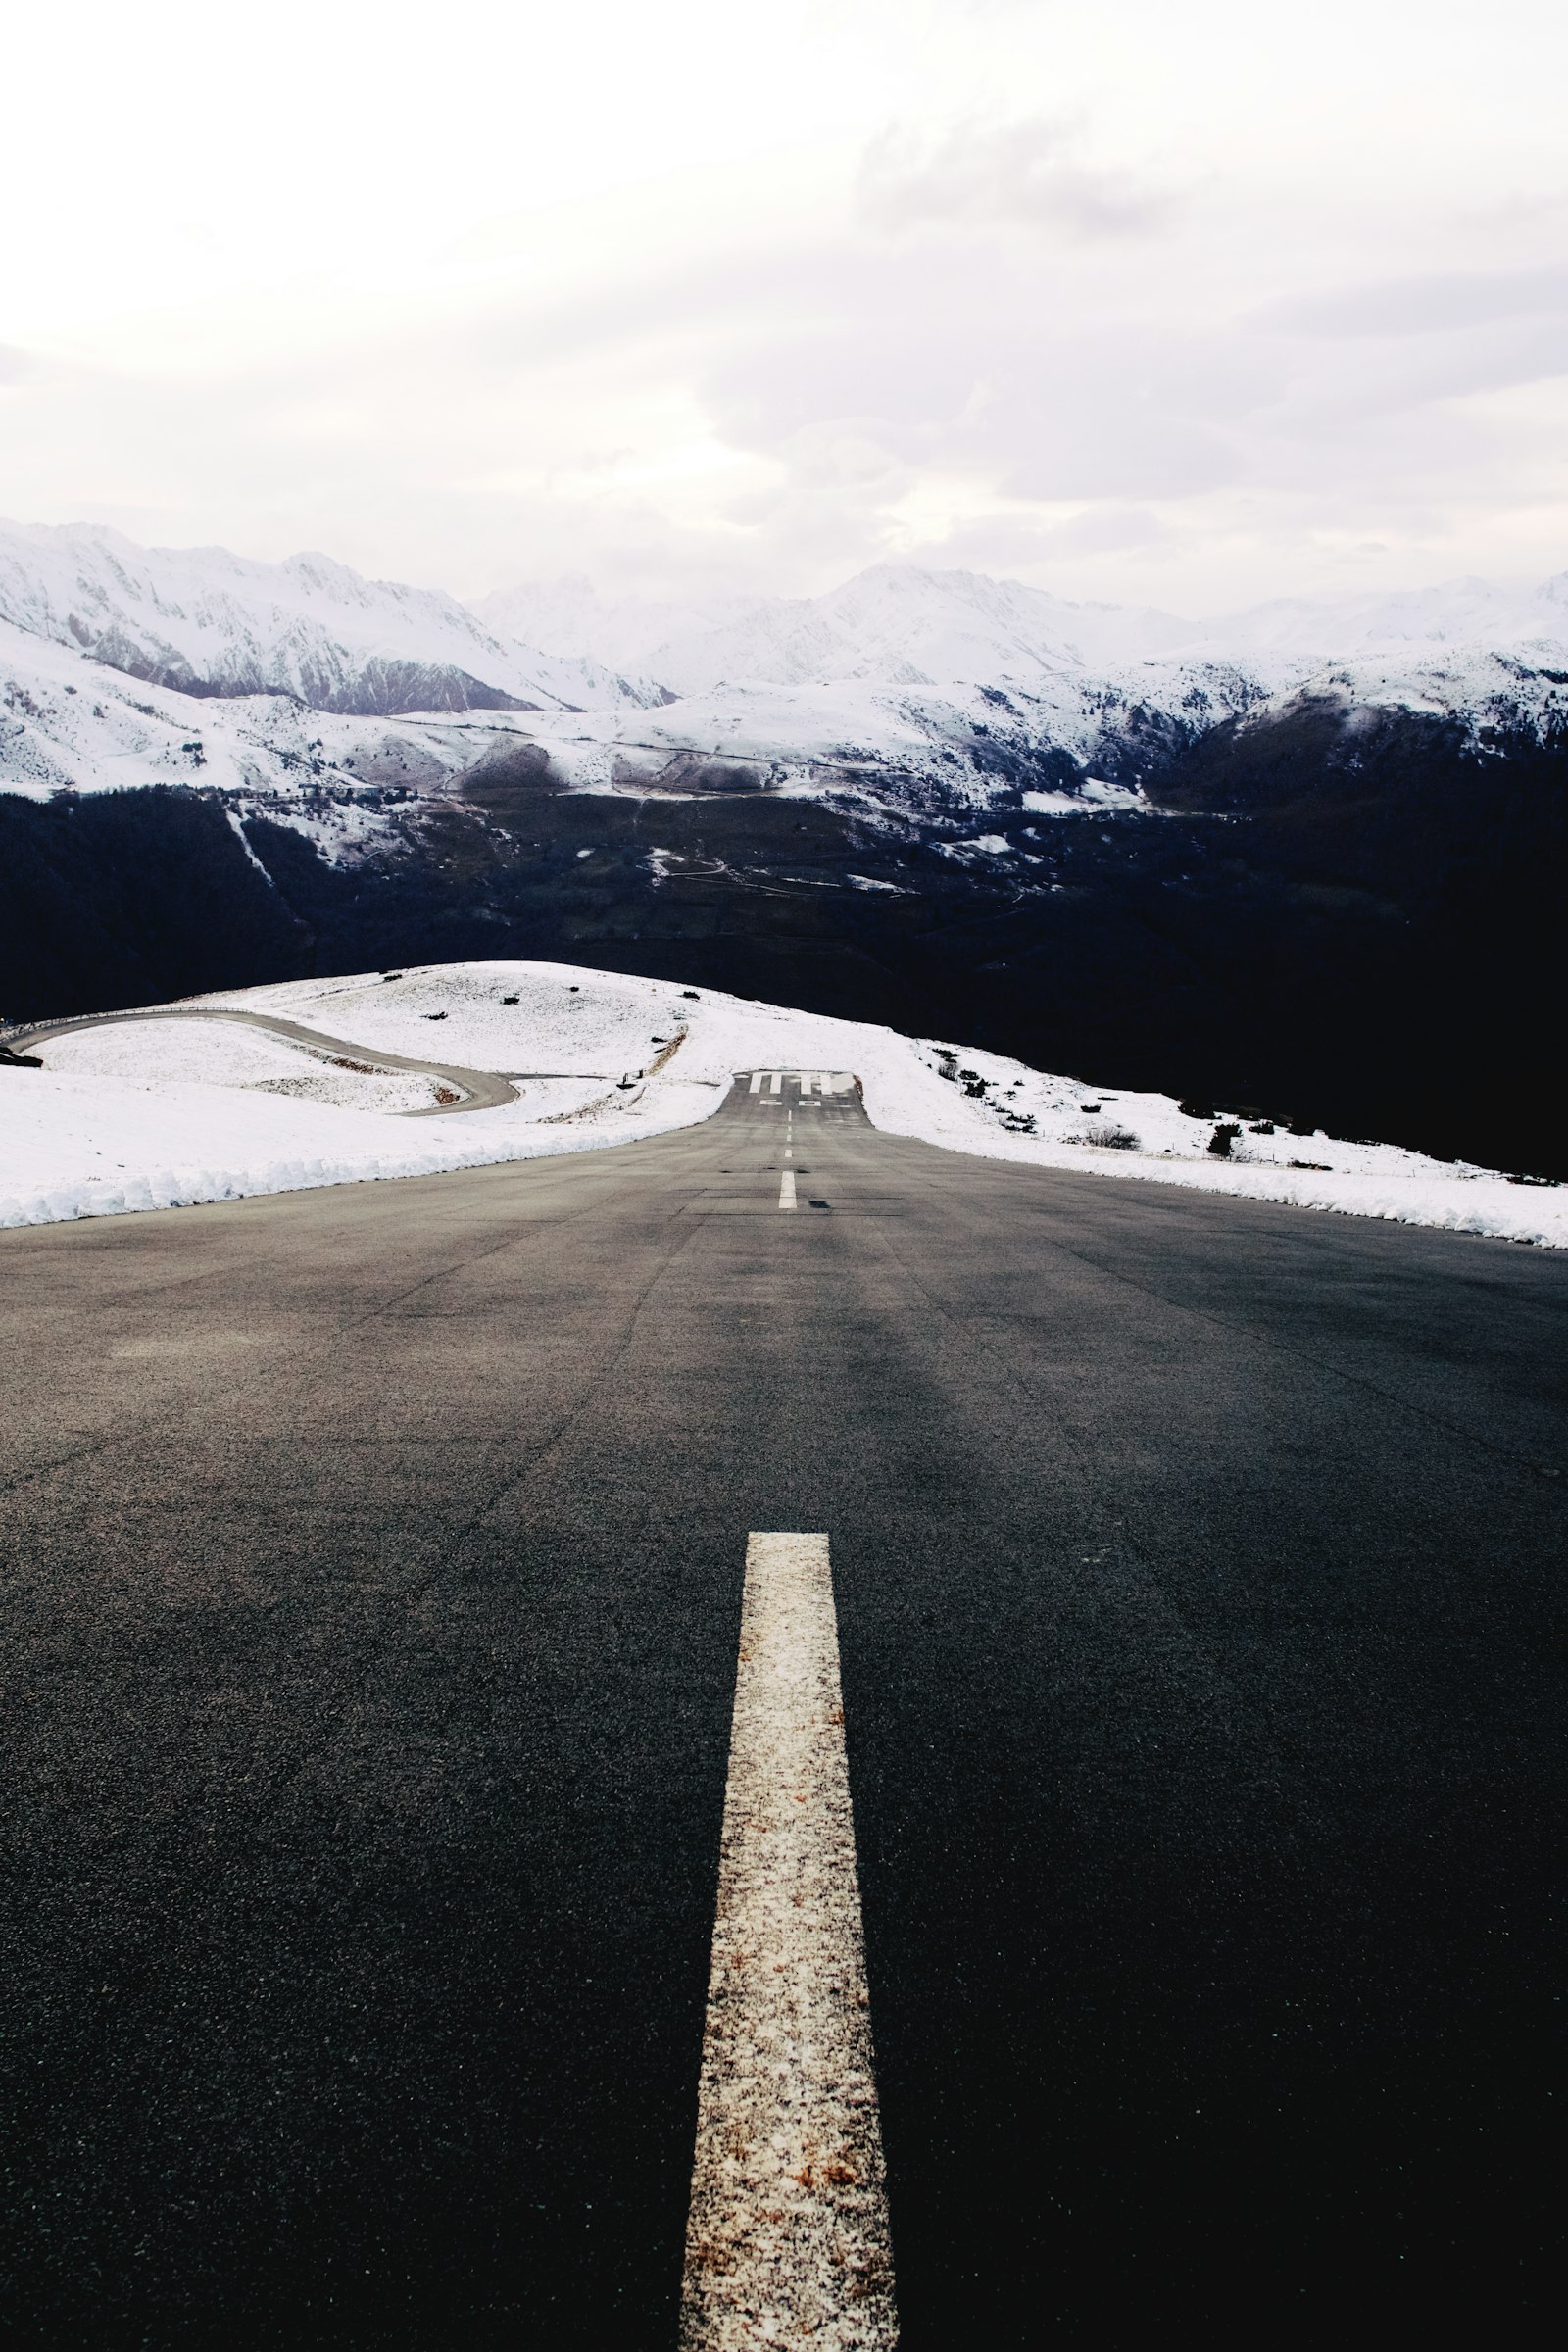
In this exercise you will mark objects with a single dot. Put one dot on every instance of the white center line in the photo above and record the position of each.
(786, 2239)
(786, 1188)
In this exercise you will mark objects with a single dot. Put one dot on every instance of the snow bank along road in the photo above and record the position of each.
(1148, 1685)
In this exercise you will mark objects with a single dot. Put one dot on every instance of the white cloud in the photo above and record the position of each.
(1450, 302)
(1026, 173)
(1139, 302)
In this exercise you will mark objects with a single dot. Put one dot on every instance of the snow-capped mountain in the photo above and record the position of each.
(1417, 625)
(892, 625)
(909, 690)
(899, 625)
(71, 724)
(958, 682)
(210, 623)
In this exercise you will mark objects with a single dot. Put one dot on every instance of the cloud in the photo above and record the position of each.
(1425, 306)
(1334, 393)
(1120, 291)
(1017, 539)
(955, 357)
(1022, 174)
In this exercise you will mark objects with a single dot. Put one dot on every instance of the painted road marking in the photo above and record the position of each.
(808, 1084)
(786, 1188)
(787, 2240)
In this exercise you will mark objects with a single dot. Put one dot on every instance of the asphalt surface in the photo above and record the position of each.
(480, 1090)
(370, 1564)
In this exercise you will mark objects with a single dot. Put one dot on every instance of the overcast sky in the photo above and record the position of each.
(1194, 301)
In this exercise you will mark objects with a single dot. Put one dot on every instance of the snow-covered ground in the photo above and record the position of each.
(207, 1054)
(156, 1114)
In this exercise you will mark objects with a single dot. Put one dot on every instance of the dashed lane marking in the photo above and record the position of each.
(786, 1188)
(787, 2240)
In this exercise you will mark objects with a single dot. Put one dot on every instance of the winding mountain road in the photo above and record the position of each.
(479, 1090)
(1179, 1583)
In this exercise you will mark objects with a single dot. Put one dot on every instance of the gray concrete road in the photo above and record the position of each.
(371, 1565)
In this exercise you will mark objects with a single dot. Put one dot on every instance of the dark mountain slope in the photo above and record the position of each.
(1341, 918)
(130, 898)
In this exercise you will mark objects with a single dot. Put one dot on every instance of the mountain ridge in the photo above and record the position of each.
(206, 622)
(909, 690)
(696, 647)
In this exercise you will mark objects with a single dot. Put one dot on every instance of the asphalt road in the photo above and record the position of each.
(480, 1090)
(372, 1570)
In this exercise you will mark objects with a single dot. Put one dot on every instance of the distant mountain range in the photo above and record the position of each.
(911, 688)
(208, 623)
(1308, 858)
(898, 626)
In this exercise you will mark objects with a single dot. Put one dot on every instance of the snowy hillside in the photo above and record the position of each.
(896, 748)
(154, 1114)
(925, 670)
(1069, 744)
(68, 723)
(206, 622)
